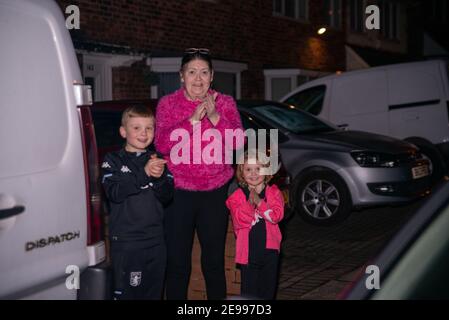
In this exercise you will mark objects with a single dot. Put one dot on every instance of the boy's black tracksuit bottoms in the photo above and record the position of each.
(138, 272)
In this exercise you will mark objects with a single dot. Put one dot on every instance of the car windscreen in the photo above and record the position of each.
(292, 119)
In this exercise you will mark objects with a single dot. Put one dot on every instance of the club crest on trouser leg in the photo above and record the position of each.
(135, 278)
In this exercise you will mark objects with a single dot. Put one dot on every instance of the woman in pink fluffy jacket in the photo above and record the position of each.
(183, 120)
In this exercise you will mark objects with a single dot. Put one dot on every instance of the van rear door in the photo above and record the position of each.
(42, 182)
(417, 102)
(359, 101)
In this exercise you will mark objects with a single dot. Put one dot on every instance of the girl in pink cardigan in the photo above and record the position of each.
(256, 209)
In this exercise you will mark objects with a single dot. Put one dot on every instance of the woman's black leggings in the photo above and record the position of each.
(206, 212)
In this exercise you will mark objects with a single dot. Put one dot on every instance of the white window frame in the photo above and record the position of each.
(161, 65)
(292, 74)
(103, 64)
(297, 17)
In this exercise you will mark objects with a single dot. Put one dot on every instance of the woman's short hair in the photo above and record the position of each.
(136, 111)
(251, 155)
(196, 54)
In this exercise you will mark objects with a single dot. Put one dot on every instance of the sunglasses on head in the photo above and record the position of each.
(197, 50)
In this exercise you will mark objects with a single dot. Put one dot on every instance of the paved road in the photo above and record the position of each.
(318, 262)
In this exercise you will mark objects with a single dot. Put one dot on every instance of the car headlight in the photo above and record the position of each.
(374, 159)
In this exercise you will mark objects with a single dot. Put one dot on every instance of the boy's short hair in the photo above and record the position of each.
(136, 111)
(239, 171)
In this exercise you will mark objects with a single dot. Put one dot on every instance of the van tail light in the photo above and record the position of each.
(95, 228)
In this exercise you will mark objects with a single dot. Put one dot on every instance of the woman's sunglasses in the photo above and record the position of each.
(197, 50)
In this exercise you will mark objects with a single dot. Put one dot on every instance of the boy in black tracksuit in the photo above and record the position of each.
(137, 184)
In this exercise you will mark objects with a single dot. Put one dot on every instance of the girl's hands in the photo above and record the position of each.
(155, 166)
(254, 198)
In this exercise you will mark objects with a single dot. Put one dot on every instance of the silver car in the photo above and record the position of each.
(334, 171)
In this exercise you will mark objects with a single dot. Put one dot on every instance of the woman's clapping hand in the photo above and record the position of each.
(211, 111)
(198, 114)
(207, 107)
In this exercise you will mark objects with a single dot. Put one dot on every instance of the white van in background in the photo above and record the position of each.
(51, 241)
(407, 101)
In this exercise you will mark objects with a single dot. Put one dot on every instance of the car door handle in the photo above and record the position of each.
(343, 125)
(10, 212)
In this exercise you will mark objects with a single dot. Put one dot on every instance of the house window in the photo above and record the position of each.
(280, 87)
(168, 83)
(389, 19)
(227, 76)
(279, 82)
(356, 15)
(332, 10)
(225, 82)
(295, 9)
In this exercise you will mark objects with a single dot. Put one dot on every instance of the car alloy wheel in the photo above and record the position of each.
(320, 199)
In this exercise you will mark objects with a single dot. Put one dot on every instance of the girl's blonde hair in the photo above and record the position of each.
(246, 156)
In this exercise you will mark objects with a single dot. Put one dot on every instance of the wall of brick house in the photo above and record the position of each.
(244, 31)
(130, 83)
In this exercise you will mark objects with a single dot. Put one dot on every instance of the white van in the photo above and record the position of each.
(408, 101)
(50, 225)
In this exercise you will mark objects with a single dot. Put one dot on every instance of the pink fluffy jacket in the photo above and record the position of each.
(193, 173)
(244, 216)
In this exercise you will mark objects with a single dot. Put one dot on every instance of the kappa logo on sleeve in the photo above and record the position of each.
(135, 278)
(105, 165)
(125, 169)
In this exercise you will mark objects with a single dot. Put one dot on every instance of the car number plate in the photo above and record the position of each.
(419, 172)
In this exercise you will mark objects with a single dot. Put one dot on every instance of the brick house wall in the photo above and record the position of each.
(129, 82)
(242, 31)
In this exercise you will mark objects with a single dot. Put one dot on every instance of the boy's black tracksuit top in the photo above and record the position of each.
(136, 200)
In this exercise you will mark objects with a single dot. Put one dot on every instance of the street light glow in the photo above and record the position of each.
(321, 30)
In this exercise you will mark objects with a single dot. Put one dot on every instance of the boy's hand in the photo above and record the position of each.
(155, 166)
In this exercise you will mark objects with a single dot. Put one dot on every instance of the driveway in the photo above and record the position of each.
(318, 262)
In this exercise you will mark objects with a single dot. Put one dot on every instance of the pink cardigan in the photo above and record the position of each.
(243, 215)
(173, 112)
